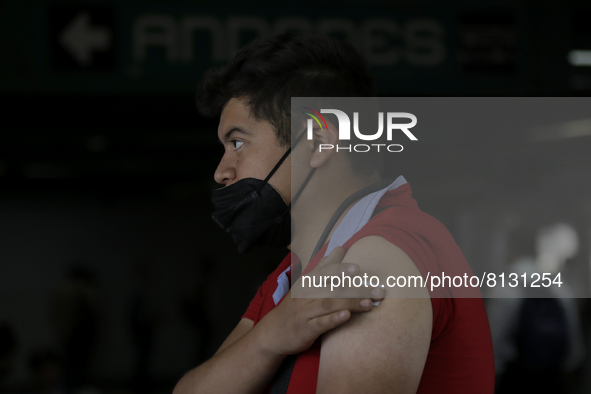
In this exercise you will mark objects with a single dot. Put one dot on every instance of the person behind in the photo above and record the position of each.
(424, 343)
(76, 318)
(537, 333)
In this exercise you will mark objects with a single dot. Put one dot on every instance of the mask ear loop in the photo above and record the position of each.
(295, 198)
(280, 161)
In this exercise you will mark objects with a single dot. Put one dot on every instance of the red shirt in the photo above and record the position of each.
(460, 358)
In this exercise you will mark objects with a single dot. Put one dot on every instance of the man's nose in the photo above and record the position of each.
(225, 173)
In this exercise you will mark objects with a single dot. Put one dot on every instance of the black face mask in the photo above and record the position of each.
(253, 212)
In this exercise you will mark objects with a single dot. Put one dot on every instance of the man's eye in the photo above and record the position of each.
(237, 143)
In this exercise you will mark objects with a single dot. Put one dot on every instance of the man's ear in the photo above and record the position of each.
(325, 142)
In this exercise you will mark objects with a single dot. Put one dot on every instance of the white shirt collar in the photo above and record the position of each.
(359, 215)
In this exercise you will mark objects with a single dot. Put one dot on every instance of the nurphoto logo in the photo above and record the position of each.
(344, 126)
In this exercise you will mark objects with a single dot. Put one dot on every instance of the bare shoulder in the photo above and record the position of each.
(385, 349)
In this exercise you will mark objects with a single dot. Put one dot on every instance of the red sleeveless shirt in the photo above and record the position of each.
(460, 358)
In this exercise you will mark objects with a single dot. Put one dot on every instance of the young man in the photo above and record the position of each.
(408, 343)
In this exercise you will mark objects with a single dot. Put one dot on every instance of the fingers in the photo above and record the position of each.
(334, 279)
(336, 269)
(374, 293)
(325, 323)
(328, 306)
(336, 256)
(334, 286)
(377, 293)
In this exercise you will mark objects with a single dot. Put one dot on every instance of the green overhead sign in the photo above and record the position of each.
(165, 46)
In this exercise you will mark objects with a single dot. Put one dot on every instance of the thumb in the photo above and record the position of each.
(335, 257)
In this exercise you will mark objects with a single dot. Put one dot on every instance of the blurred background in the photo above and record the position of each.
(113, 277)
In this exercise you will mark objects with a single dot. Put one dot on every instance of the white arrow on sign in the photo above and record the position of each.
(80, 39)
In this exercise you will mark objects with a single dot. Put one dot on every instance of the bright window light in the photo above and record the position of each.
(579, 57)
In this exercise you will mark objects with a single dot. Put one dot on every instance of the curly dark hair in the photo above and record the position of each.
(267, 73)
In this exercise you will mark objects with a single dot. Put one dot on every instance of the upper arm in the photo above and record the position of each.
(243, 327)
(383, 350)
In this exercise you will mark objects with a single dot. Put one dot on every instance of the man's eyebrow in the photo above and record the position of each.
(235, 130)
